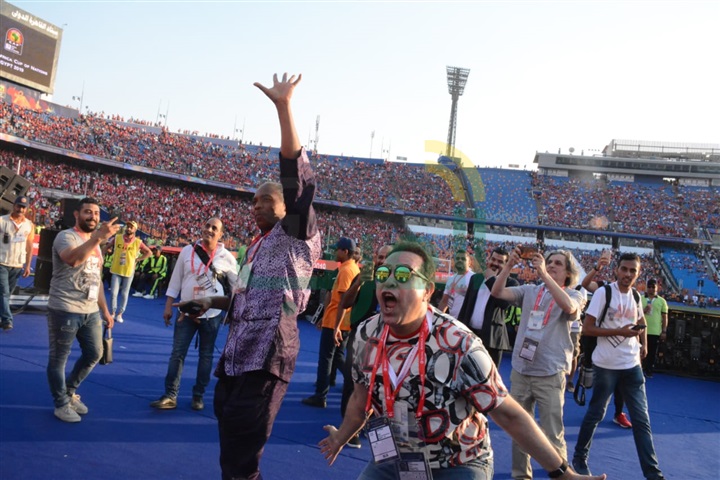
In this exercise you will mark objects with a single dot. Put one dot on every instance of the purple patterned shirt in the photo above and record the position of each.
(263, 319)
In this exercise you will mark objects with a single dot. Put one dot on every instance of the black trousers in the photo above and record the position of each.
(246, 407)
(648, 363)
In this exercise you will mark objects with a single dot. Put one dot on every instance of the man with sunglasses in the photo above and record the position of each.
(429, 381)
(16, 250)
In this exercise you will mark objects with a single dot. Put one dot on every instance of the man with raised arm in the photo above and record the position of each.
(259, 356)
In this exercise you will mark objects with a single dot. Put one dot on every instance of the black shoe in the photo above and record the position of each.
(197, 403)
(354, 442)
(164, 403)
(580, 466)
(315, 402)
(7, 326)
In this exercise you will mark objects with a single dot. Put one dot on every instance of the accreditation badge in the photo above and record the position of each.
(382, 443)
(413, 466)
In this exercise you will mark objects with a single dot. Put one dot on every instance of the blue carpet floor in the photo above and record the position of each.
(123, 438)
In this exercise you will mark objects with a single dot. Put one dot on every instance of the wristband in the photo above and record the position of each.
(560, 471)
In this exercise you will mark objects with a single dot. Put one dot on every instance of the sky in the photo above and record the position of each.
(543, 76)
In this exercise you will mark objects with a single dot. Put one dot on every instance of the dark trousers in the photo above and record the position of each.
(648, 363)
(246, 407)
(331, 357)
(348, 384)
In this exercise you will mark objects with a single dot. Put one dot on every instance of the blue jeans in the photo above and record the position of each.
(474, 470)
(118, 282)
(632, 385)
(63, 328)
(330, 356)
(8, 280)
(182, 336)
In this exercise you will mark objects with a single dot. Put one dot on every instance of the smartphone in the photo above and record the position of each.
(639, 327)
(191, 308)
(527, 252)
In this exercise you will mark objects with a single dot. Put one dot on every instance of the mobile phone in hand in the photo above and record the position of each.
(639, 327)
(191, 308)
(527, 252)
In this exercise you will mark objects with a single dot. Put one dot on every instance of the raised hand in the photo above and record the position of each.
(107, 230)
(281, 91)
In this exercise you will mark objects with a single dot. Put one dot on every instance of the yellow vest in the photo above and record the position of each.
(124, 256)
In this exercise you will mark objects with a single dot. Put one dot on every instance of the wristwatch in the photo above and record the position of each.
(560, 471)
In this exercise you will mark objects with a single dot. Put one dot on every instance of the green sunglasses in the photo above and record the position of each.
(402, 274)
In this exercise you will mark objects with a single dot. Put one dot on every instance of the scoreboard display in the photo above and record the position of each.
(30, 49)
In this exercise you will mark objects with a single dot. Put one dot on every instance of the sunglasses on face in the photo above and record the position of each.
(402, 273)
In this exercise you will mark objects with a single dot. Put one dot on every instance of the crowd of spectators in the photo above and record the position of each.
(383, 185)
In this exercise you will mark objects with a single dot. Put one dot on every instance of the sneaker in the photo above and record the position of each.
(314, 401)
(77, 404)
(118, 318)
(67, 414)
(137, 294)
(580, 466)
(7, 326)
(164, 403)
(148, 296)
(622, 420)
(197, 403)
(354, 442)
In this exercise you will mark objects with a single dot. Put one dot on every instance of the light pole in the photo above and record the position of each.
(80, 98)
(456, 79)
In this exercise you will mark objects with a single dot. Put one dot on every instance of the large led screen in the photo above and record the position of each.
(30, 48)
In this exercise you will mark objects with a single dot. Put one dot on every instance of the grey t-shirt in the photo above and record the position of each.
(554, 351)
(70, 287)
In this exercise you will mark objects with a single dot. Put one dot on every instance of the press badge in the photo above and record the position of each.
(400, 424)
(123, 259)
(93, 291)
(413, 466)
(536, 320)
(382, 442)
(528, 349)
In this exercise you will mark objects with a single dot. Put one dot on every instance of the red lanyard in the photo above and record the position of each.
(417, 351)
(192, 258)
(541, 294)
(80, 232)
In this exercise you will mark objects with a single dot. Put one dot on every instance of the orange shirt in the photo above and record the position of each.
(346, 273)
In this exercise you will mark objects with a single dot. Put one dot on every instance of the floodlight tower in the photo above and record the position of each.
(456, 78)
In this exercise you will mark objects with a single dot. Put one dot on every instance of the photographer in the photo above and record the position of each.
(197, 274)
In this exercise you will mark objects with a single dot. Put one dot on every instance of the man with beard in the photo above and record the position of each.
(485, 314)
(429, 380)
(456, 286)
(75, 304)
(621, 345)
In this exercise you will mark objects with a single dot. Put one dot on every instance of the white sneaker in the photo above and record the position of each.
(148, 296)
(137, 294)
(118, 318)
(77, 404)
(67, 414)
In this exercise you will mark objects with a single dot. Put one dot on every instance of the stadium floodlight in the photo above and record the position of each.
(457, 79)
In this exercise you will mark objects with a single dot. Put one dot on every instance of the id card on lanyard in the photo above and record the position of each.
(246, 269)
(537, 321)
(404, 431)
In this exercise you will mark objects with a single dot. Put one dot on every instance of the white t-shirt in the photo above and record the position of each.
(456, 288)
(617, 352)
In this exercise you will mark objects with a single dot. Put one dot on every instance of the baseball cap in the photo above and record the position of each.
(133, 223)
(345, 244)
(22, 200)
(652, 282)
